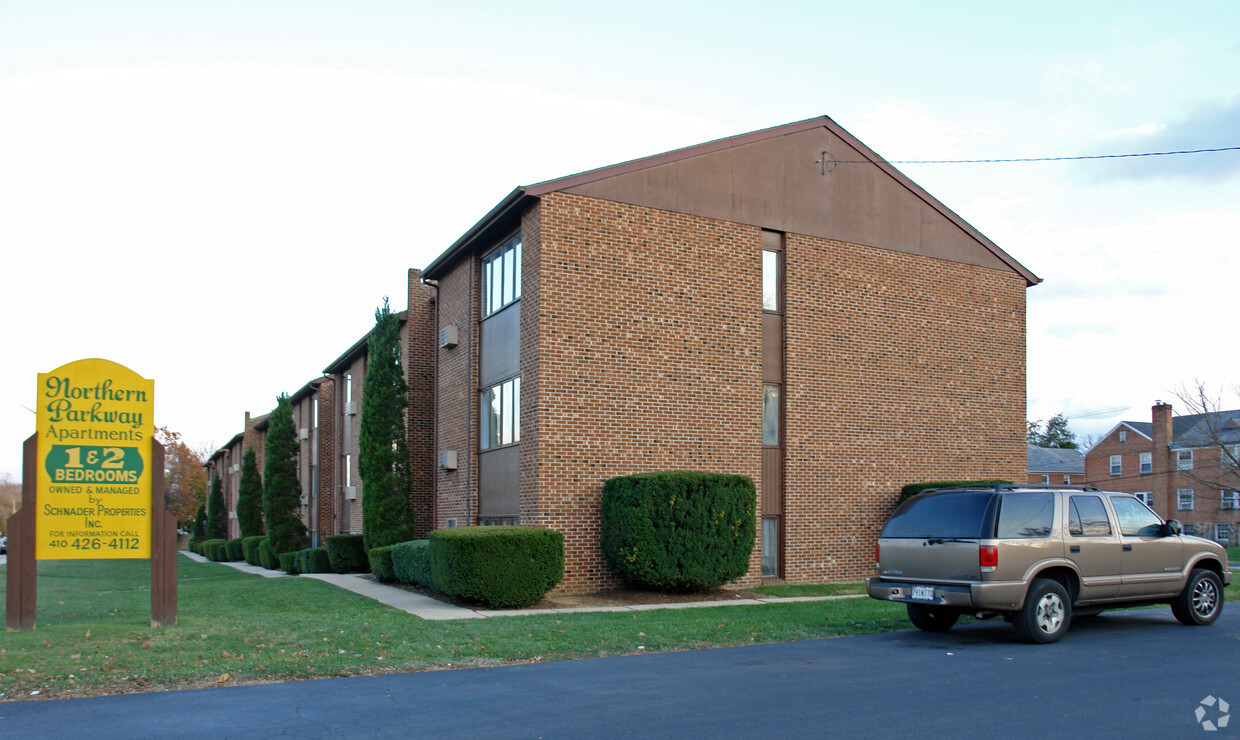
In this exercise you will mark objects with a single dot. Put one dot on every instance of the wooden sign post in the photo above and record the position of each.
(92, 485)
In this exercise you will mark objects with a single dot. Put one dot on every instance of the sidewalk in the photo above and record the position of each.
(426, 607)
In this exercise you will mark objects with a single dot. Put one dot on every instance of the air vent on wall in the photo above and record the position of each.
(447, 459)
(447, 337)
(451, 524)
(350, 493)
(304, 433)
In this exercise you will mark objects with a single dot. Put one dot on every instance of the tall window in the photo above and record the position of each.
(501, 414)
(1184, 499)
(1147, 462)
(501, 276)
(770, 280)
(770, 414)
(1117, 464)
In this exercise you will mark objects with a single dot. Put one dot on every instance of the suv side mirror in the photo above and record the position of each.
(1172, 527)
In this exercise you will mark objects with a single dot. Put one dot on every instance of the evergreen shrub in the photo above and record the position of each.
(501, 567)
(266, 556)
(679, 531)
(347, 553)
(249, 549)
(288, 563)
(411, 562)
(234, 550)
(314, 560)
(216, 550)
(381, 564)
(913, 489)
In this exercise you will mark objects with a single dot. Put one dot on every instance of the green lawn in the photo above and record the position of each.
(1233, 554)
(93, 634)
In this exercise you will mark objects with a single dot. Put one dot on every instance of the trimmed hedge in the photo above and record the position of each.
(679, 531)
(288, 563)
(411, 562)
(913, 489)
(216, 550)
(234, 549)
(266, 556)
(347, 553)
(249, 548)
(314, 560)
(501, 567)
(381, 564)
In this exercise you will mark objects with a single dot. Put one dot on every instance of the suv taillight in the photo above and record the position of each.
(988, 557)
(876, 548)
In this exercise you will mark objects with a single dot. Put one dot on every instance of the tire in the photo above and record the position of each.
(1046, 614)
(932, 618)
(1201, 601)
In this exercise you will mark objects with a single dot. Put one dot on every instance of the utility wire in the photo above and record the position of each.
(1039, 159)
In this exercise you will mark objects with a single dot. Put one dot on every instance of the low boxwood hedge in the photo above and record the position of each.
(381, 564)
(347, 553)
(314, 560)
(288, 563)
(249, 548)
(411, 562)
(679, 530)
(913, 489)
(501, 567)
(216, 550)
(234, 549)
(266, 556)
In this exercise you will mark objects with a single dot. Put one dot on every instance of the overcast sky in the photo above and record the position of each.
(182, 183)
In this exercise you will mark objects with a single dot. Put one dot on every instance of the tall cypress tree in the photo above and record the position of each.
(199, 532)
(217, 518)
(281, 489)
(250, 496)
(383, 456)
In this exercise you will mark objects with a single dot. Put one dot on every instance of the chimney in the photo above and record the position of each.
(1163, 464)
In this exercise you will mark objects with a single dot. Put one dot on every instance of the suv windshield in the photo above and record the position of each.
(954, 514)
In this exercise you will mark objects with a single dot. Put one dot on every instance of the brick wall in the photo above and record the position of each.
(457, 396)
(418, 360)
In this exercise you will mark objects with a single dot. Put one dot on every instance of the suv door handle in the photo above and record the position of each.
(1127, 548)
(1074, 549)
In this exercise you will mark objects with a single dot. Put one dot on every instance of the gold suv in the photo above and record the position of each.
(1037, 555)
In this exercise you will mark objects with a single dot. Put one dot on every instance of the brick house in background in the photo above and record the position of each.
(1054, 465)
(1182, 466)
(783, 304)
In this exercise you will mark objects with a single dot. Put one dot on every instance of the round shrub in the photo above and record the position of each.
(381, 564)
(234, 550)
(501, 567)
(347, 553)
(288, 563)
(266, 556)
(249, 549)
(679, 531)
(411, 562)
(314, 560)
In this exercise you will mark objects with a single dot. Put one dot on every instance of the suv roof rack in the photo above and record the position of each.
(1018, 487)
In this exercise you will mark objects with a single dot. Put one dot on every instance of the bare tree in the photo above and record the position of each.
(1217, 428)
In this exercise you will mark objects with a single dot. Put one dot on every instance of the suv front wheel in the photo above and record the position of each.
(1046, 614)
(1201, 601)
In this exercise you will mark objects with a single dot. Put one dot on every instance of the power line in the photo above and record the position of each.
(1039, 159)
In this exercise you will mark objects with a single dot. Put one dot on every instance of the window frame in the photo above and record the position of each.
(504, 260)
(1145, 497)
(1145, 462)
(1229, 499)
(1183, 495)
(1117, 464)
(509, 429)
(1181, 463)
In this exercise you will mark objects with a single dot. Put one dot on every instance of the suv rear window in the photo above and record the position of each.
(954, 514)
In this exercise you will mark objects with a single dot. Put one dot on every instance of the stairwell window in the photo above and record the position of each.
(500, 422)
(770, 280)
(501, 276)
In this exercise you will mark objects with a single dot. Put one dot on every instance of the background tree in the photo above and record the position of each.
(199, 531)
(1217, 429)
(383, 457)
(281, 489)
(250, 496)
(1055, 432)
(217, 518)
(185, 478)
(10, 500)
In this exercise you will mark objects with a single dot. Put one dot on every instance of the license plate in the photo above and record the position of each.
(922, 593)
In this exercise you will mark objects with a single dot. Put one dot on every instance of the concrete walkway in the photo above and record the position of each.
(424, 606)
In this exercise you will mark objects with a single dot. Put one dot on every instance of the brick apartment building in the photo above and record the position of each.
(226, 463)
(1053, 465)
(1184, 467)
(782, 304)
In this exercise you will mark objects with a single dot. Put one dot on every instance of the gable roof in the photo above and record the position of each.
(1054, 460)
(1205, 430)
(760, 178)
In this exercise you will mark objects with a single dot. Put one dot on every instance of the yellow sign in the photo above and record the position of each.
(94, 462)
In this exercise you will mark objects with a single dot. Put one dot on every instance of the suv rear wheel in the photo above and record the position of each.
(1201, 601)
(931, 618)
(1046, 614)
